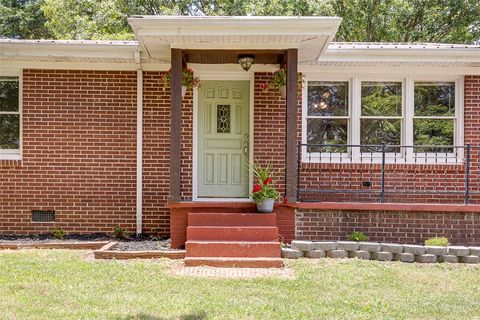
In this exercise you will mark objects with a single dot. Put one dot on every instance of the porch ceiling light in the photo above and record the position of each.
(246, 61)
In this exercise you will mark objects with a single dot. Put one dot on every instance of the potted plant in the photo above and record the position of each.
(264, 192)
(189, 81)
(278, 82)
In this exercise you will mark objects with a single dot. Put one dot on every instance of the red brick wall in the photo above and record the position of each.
(78, 153)
(156, 152)
(461, 228)
(269, 128)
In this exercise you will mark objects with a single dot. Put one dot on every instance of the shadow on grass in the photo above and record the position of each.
(191, 316)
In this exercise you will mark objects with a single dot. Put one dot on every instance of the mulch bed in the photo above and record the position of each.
(47, 238)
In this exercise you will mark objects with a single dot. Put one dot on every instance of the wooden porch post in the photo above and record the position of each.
(291, 125)
(175, 124)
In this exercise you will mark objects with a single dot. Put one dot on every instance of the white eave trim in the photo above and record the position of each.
(68, 51)
(470, 55)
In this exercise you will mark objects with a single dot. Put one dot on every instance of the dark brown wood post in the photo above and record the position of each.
(291, 130)
(175, 124)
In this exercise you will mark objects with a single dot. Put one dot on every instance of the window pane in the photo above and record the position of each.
(8, 94)
(434, 99)
(9, 131)
(327, 98)
(327, 131)
(223, 118)
(380, 131)
(433, 132)
(381, 99)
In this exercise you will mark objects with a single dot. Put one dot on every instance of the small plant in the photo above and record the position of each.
(279, 80)
(357, 236)
(158, 235)
(264, 187)
(188, 79)
(58, 233)
(119, 232)
(437, 241)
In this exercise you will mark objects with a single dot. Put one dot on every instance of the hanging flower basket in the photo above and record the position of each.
(189, 81)
(279, 82)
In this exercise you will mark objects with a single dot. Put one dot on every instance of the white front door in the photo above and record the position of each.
(223, 128)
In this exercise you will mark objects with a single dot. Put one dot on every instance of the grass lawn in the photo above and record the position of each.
(62, 284)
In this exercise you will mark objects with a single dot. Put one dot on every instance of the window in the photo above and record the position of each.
(9, 116)
(434, 116)
(327, 115)
(381, 115)
(413, 117)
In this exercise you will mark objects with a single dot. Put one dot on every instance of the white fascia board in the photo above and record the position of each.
(410, 54)
(385, 70)
(258, 24)
(68, 49)
(68, 65)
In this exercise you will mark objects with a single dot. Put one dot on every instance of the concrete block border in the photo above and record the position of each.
(107, 252)
(383, 251)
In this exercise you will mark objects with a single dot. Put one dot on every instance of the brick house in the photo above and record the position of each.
(382, 138)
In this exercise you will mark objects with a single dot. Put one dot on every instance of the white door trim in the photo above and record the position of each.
(226, 76)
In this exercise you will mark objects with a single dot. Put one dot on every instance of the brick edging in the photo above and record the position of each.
(88, 245)
(106, 252)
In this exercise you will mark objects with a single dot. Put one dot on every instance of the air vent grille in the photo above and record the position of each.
(43, 215)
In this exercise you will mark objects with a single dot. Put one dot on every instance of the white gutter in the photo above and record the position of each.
(139, 189)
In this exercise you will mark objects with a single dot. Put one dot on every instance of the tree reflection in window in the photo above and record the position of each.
(9, 113)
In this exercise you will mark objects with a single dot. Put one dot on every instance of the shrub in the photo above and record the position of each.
(357, 236)
(437, 241)
(58, 233)
(119, 232)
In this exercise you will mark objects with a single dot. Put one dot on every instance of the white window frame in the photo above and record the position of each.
(14, 154)
(318, 156)
(368, 157)
(408, 157)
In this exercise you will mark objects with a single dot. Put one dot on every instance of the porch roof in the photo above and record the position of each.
(157, 35)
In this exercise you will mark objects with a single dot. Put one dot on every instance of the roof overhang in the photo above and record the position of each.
(394, 54)
(159, 34)
(68, 50)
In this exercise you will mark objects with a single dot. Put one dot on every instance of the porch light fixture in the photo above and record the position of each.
(246, 61)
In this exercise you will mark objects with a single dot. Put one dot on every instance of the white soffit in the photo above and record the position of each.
(158, 34)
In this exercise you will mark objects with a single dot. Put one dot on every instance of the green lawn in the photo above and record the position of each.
(62, 284)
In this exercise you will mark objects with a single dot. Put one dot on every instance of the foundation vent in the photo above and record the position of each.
(43, 215)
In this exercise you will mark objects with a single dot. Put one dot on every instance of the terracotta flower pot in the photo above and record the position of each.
(283, 91)
(265, 206)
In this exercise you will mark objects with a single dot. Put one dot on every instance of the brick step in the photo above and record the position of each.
(231, 219)
(234, 262)
(238, 249)
(245, 233)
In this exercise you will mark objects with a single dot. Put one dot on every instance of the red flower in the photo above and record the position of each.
(256, 188)
(284, 199)
(264, 86)
(267, 181)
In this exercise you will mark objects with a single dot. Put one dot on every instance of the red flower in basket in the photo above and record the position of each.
(267, 181)
(256, 188)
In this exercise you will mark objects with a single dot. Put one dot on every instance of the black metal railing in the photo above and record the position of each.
(386, 173)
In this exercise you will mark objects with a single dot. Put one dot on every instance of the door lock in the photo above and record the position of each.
(245, 145)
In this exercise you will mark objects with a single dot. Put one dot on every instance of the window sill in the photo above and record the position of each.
(10, 156)
(10, 160)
